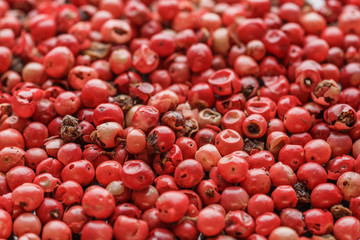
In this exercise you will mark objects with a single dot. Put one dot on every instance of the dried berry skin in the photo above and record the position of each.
(70, 131)
(253, 146)
(339, 211)
(124, 101)
(302, 194)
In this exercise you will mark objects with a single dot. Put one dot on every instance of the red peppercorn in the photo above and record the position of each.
(259, 204)
(28, 195)
(81, 171)
(208, 156)
(266, 223)
(308, 75)
(239, 223)
(297, 120)
(50, 209)
(312, 174)
(108, 134)
(281, 174)
(293, 218)
(340, 165)
(292, 155)
(250, 29)
(232, 168)
(354, 203)
(224, 82)
(262, 159)
(276, 141)
(6, 222)
(319, 221)
(346, 227)
(172, 206)
(228, 141)
(263, 106)
(340, 117)
(161, 139)
(282, 233)
(35, 134)
(27, 223)
(94, 92)
(98, 202)
(145, 60)
(317, 151)
(116, 31)
(107, 172)
(199, 57)
(16, 176)
(233, 119)
(284, 197)
(245, 65)
(325, 195)
(11, 157)
(145, 117)
(139, 170)
(47, 181)
(99, 229)
(188, 173)
(56, 228)
(347, 183)
(254, 126)
(167, 9)
(132, 227)
(58, 62)
(276, 42)
(256, 181)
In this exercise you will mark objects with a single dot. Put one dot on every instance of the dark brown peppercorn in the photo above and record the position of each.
(339, 211)
(70, 131)
(302, 194)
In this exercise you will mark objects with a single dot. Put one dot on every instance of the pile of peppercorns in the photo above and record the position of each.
(179, 119)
